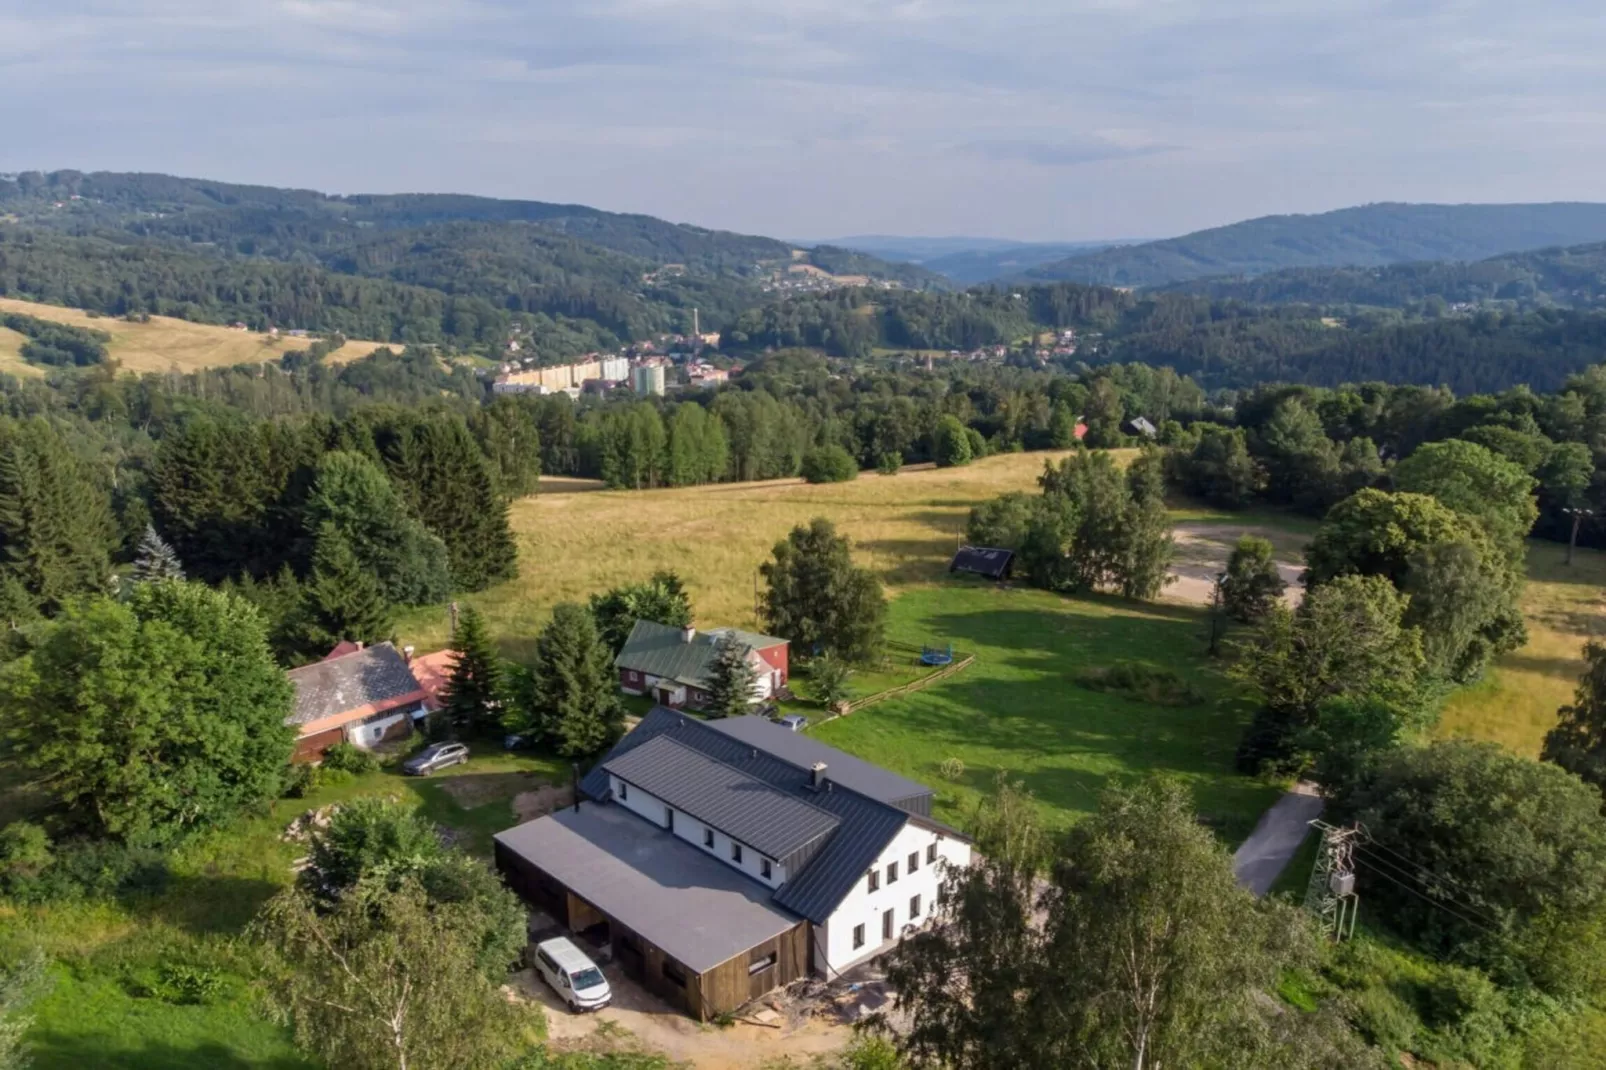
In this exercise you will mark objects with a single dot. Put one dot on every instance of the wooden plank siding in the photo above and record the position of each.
(706, 995)
(731, 984)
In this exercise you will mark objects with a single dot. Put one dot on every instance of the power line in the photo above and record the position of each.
(1372, 841)
(1437, 892)
(1378, 872)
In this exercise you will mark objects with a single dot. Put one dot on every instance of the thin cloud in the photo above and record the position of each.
(831, 116)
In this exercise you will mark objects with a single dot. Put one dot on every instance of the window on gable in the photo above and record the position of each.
(708, 837)
(764, 868)
(736, 852)
(875, 879)
(914, 907)
(914, 861)
(892, 873)
(624, 790)
(931, 853)
(858, 937)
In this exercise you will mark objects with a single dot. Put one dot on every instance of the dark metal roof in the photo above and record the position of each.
(802, 751)
(865, 825)
(377, 677)
(693, 906)
(743, 807)
(987, 561)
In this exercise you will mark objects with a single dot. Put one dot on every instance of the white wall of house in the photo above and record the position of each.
(833, 941)
(368, 733)
(688, 828)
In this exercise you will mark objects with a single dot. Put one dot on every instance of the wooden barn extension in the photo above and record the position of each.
(696, 937)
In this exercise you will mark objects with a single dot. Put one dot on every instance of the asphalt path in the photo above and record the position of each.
(1277, 836)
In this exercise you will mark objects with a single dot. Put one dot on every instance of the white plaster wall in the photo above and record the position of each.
(834, 951)
(688, 828)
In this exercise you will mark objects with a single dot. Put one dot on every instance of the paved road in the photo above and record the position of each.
(1280, 831)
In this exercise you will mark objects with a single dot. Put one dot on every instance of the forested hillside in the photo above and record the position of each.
(1220, 343)
(1570, 277)
(1369, 235)
(575, 278)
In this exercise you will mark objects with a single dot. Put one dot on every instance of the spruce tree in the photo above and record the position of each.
(1578, 742)
(574, 690)
(55, 520)
(731, 679)
(472, 699)
(354, 495)
(449, 485)
(344, 600)
(155, 560)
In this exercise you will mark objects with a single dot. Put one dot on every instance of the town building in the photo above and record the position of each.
(647, 379)
(674, 665)
(718, 860)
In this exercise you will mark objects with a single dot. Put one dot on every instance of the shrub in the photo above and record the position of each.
(1160, 687)
(88, 869)
(301, 779)
(180, 983)
(346, 758)
(829, 464)
(889, 463)
(24, 851)
(952, 769)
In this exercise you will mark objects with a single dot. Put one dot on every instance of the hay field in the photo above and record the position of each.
(1516, 703)
(163, 343)
(573, 543)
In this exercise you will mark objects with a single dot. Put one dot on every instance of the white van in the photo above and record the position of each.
(573, 976)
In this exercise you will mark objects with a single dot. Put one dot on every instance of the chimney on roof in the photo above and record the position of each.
(360, 644)
(407, 653)
(816, 775)
(688, 633)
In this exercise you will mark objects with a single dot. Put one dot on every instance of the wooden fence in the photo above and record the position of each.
(902, 689)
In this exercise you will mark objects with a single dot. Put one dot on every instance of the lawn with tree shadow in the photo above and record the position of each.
(1018, 708)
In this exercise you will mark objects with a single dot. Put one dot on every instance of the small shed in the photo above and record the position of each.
(1140, 425)
(989, 561)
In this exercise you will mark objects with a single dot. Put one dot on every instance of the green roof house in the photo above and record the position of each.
(673, 665)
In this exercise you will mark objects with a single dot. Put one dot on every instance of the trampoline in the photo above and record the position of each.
(932, 655)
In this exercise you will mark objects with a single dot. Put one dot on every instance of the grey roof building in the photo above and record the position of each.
(845, 849)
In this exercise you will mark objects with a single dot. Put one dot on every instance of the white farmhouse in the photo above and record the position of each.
(721, 859)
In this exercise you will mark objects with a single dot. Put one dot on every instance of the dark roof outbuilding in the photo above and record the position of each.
(989, 561)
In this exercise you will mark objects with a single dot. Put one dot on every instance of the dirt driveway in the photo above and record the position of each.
(638, 1020)
(1203, 549)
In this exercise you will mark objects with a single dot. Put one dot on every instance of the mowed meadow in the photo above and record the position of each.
(575, 540)
(1515, 704)
(162, 344)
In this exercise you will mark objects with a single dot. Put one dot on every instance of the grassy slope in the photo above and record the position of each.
(1516, 702)
(574, 544)
(95, 1016)
(1016, 710)
(163, 343)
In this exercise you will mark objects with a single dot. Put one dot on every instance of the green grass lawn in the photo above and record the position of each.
(99, 1013)
(1018, 710)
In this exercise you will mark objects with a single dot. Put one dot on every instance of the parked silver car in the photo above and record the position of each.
(434, 758)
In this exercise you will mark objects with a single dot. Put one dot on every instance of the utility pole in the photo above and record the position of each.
(1330, 895)
(1579, 516)
(1216, 602)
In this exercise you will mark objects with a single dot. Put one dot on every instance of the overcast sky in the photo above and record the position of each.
(1040, 119)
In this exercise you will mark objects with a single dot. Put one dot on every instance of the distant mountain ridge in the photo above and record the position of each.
(968, 261)
(394, 267)
(1568, 277)
(1371, 235)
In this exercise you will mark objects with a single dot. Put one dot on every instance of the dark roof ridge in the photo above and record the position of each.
(669, 738)
(836, 785)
